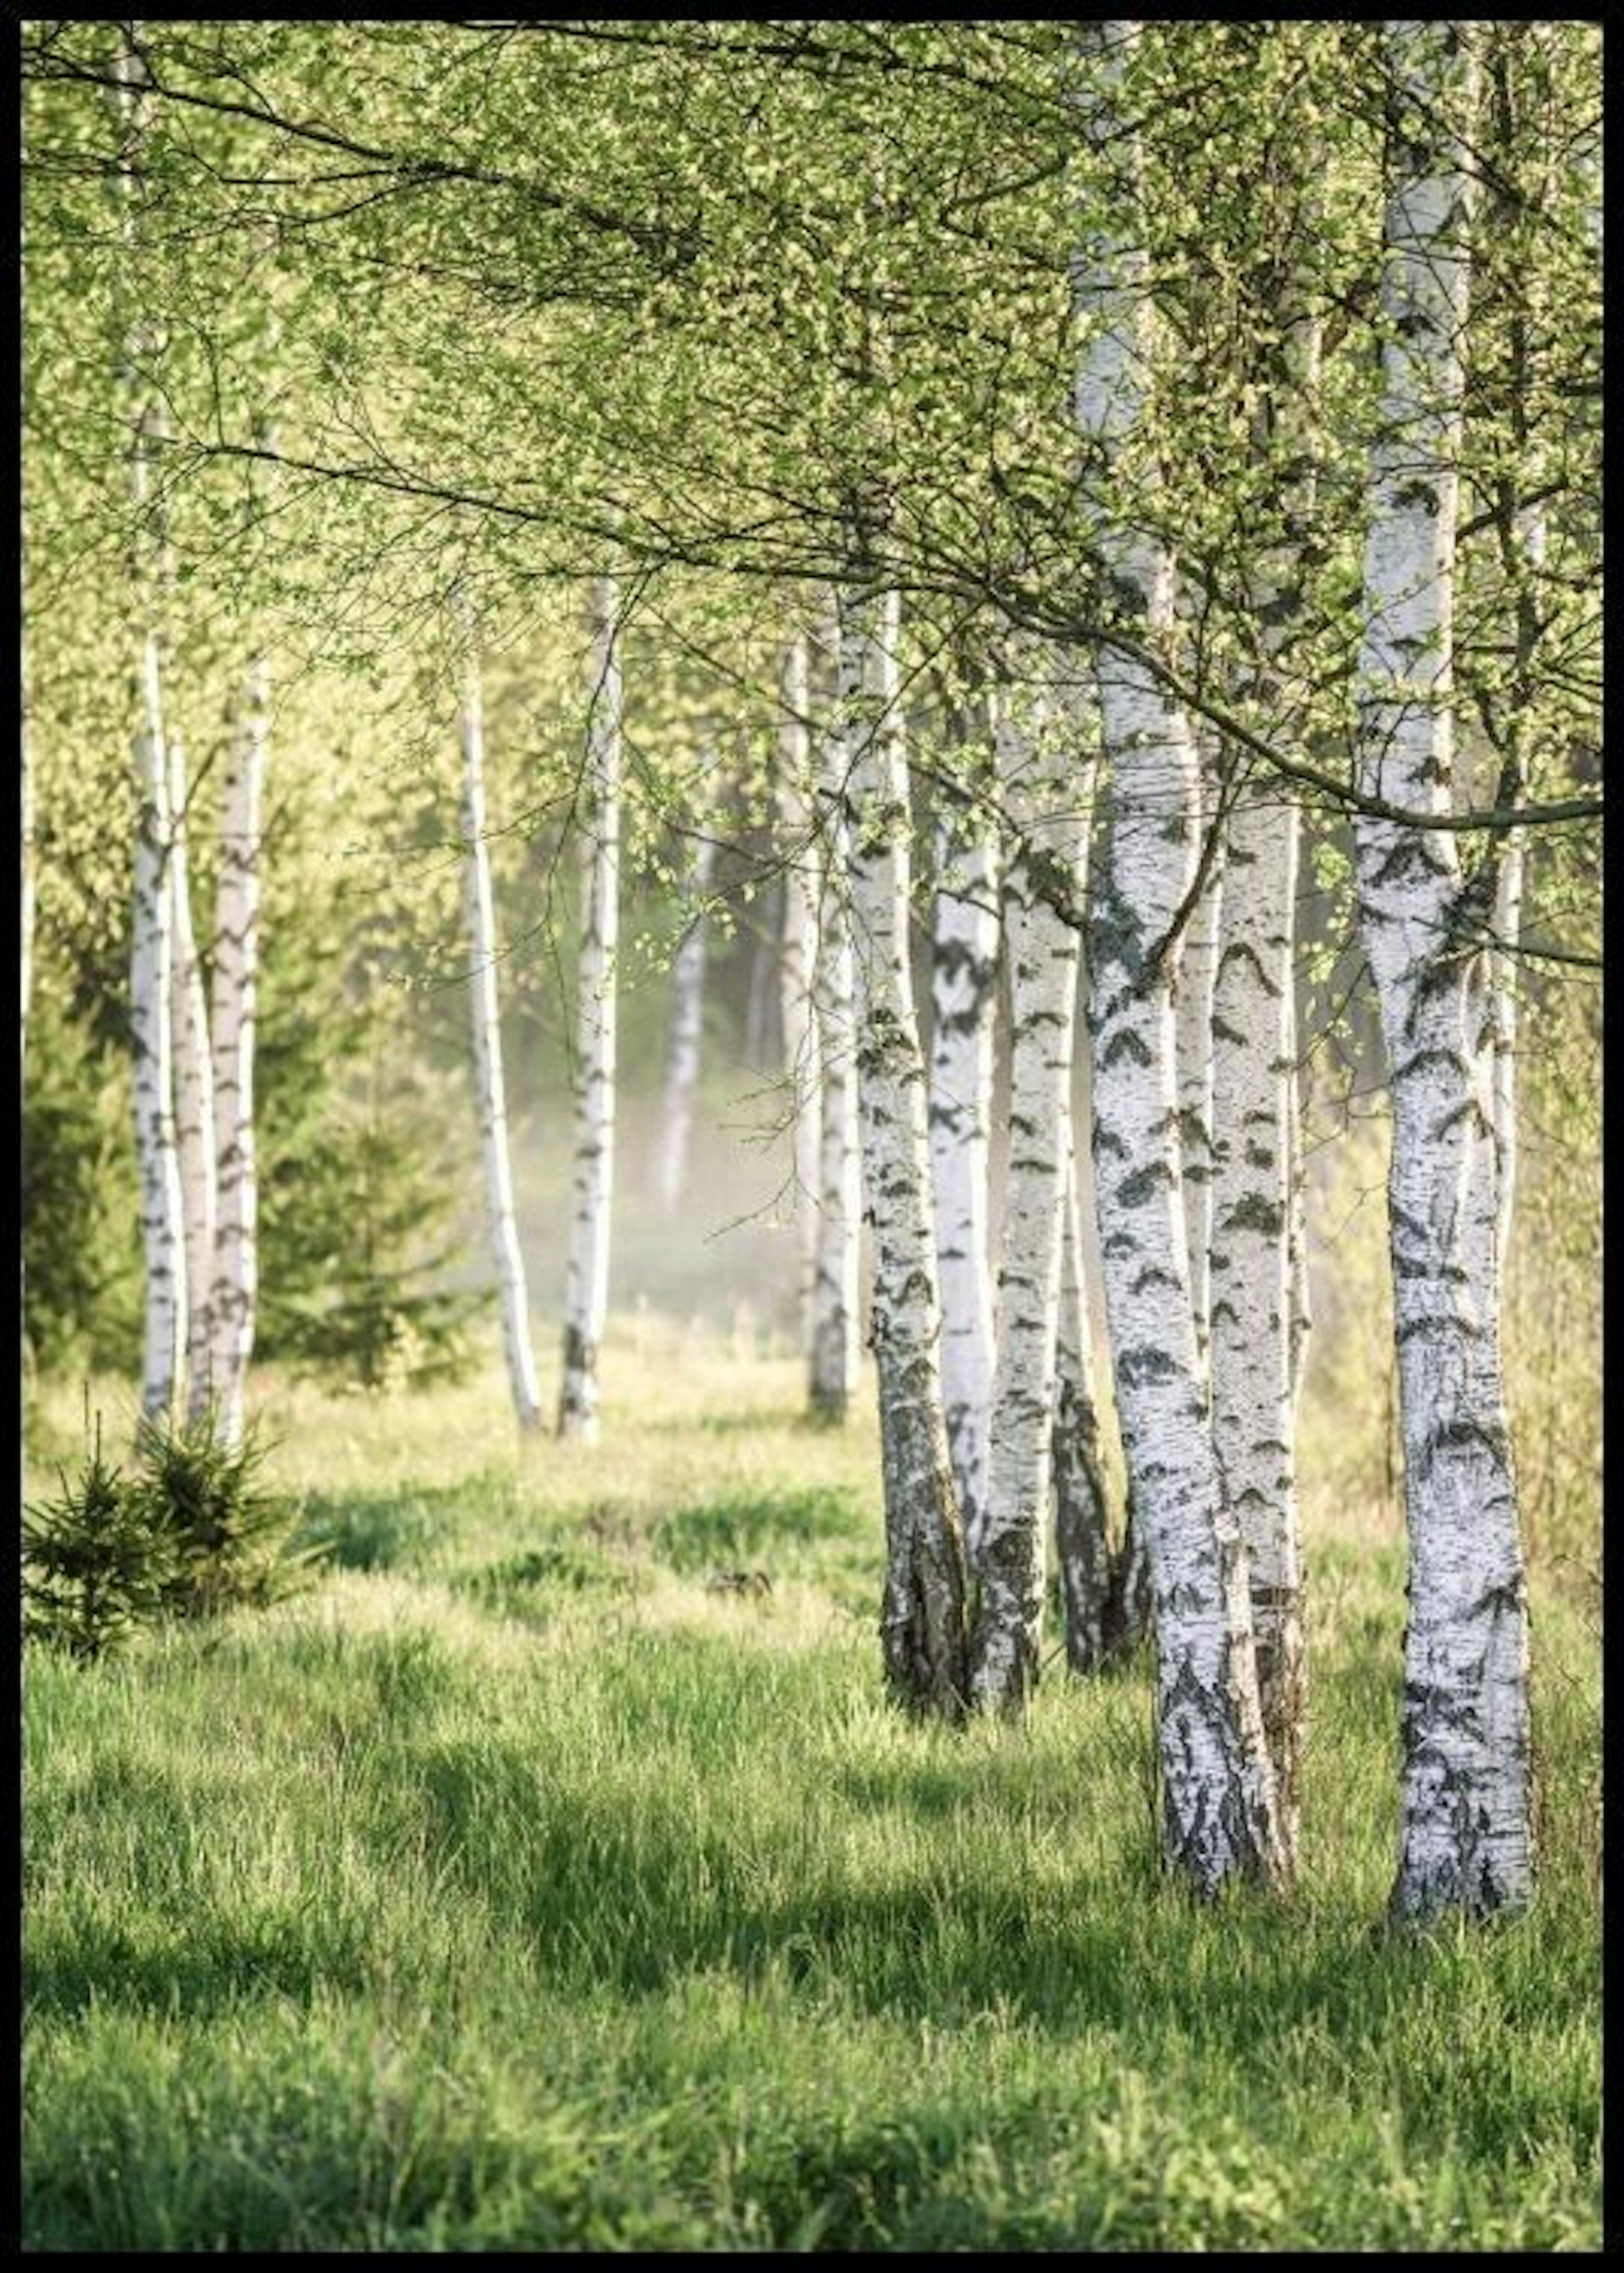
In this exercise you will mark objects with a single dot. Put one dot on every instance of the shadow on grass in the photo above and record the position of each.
(752, 1524)
(378, 1531)
(209, 1968)
(626, 1891)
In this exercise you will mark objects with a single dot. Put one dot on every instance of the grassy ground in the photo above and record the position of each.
(515, 1889)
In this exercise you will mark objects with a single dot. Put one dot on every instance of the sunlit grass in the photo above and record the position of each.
(518, 1886)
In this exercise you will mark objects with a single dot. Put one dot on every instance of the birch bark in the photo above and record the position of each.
(488, 1090)
(1257, 1308)
(964, 1001)
(682, 1055)
(1253, 1418)
(1218, 1801)
(798, 1015)
(1466, 1838)
(587, 1282)
(835, 1348)
(232, 1012)
(922, 1622)
(1082, 1494)
(1040, 782)
(1197, 971)
(194, 1105)
(151, 935)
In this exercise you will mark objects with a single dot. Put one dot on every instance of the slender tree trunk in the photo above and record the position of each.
(1193, 996)
(1466, 1837)
(834, 1351)
(964, 1003)
(801, 894)
(233, 1006)
(586, 1285)
(922, 1623)
(758, 1002)
(194, 1107)
(151, 934)
(682, 1054)
(490, 1098)
(1302, 1309)
(1081, 1494)
(1046, 795)
(1218, 1802)
(1253, 1418)
(1258, 1311)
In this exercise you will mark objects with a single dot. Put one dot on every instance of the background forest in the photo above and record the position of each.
(796, 797)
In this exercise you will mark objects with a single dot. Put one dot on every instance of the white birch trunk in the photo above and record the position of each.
(1253, 1416)
(1193, 992)
(1043, 789)
(587, 1282)
(1082, 1498)
(1466, 1838)
(1218, 1803)
(1258, 1305)
(151, 936)
(922, 1622)
(488, 1090)
(194, 1106)
(1302, 1308)
(232, 1013)
(964, 1003)
(800, 949)
(835, 1346)
(682, 1054)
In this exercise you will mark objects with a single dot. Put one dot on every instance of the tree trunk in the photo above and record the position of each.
(1466, 1838)
(682, 1054)
(1081, 1496)
(1045, 795)
(194, 1106)
(834, 1351)
(1193, 992)
(800, 949)
(586, 1285)
(964, 1003)
(234, 994)
(1219, 1804)
(151, 935)
(1253, 1416)
(1258, 1308)
(490, 1098)
(922, 1623)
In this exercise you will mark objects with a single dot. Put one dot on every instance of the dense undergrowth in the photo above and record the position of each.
(524, 1885)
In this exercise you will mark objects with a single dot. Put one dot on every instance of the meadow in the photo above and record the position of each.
(520, 1885)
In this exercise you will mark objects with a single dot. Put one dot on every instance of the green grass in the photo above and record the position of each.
(513, 1889)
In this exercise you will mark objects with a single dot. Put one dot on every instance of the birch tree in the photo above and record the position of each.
(194, 1104)
(1218, 1800)
(964, 961)
(682, 1053)
(1090, 1612)
(835, 1348)
(1257, 1315)
(587, 1282)
(798, 850)
(1253, 1416)
(232, 1004)
(1040, 780)
(490, 1097)
(1466, 1835)
(1196, 976)
(151, 927)
(922, 1620)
